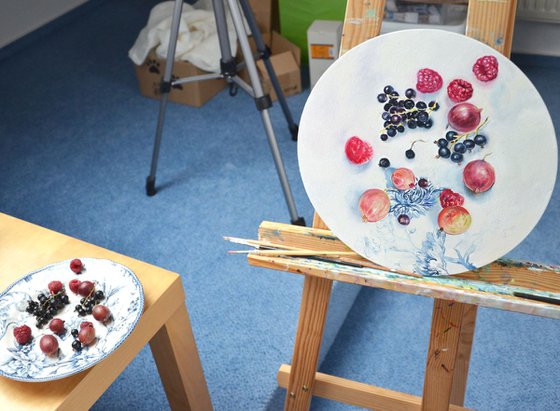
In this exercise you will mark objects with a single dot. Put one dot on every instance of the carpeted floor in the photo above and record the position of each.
(76, 145)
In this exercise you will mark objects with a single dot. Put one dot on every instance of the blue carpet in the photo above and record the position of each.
(76, 146)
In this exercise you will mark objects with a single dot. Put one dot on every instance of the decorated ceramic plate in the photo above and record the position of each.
(427, 151)
(114, 286)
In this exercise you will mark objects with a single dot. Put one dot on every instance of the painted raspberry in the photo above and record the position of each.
(358, 151)
(76, 265)
(459, 90)
(74, 284)
(55, 286)
(22, 334)
(429, 81)
(448, 198)
(486, 68)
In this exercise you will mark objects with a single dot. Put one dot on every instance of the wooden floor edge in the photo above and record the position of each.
(357, 393)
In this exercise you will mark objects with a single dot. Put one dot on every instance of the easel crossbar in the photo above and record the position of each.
(491, 286)
(359, 394)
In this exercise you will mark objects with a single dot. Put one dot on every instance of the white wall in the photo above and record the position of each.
(20, 17)
(531, 37)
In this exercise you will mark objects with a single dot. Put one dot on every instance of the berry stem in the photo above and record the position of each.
(416, 141)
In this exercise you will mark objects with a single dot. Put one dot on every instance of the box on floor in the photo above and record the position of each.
(286, 60)
(194, 94)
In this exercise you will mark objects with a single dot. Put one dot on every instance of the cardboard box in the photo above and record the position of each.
(194, 94)
(323, 45)
(262, 10)
(286, 60)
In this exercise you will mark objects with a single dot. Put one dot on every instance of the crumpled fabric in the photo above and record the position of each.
(197, 41)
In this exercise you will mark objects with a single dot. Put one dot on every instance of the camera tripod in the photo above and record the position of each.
(228, 71)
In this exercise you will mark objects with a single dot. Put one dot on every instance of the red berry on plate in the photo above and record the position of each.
(76, 265)
(22, 334)
(85, 288)
(358, 151)
(101, 313)
(86, 324)
(448, 198)
(459, 90)
(74, 285)
(428, 81)
(56, 326)
(55, 286)
(48, 344)
(486, 68)
(86, 335)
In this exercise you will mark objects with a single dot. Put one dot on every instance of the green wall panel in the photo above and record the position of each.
(297, 15)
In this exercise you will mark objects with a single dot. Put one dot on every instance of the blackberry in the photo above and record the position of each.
(469, 144)
(77, 345)
(384, 162)
(480, 140)
(444, 152)
(442, 142)
(456, 157)
(459, 148)
(450, 135)
(388, 89)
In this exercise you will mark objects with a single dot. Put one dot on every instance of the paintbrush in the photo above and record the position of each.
(348, 258)
(295, 253)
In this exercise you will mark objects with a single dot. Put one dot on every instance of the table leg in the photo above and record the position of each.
(447, 320)
(174, 350)
(312, 316)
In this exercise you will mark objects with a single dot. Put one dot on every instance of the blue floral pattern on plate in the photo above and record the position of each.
(123, 296)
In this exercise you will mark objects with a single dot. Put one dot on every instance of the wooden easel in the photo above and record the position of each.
(455, 298)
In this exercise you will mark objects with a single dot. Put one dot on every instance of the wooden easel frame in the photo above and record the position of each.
(454, 317)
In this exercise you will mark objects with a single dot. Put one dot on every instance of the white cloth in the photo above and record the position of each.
(197, 41)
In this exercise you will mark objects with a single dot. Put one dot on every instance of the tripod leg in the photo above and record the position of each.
(264, 53)
(263, 102)
(165, 89)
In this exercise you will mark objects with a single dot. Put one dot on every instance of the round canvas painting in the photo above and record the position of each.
(428, 152)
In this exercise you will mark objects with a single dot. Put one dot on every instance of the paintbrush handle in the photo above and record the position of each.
(299, 253)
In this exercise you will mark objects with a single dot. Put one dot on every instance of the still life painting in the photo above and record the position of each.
(434, 160)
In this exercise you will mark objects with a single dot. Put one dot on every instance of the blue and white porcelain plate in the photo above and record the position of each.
(123, 296)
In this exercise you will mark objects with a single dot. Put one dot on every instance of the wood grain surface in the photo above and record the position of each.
(25, 247)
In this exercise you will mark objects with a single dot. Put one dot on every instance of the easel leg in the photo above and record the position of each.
(312, 316)
(461, 371)
(174, 350)
(447, 320)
